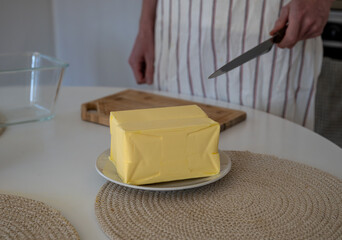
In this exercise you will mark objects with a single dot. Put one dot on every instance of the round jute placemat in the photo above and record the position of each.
(262, 197)
(23, 218)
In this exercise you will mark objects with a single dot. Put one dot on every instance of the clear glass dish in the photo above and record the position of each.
(29, 85)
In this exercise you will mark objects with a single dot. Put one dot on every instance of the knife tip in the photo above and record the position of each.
(215, 74)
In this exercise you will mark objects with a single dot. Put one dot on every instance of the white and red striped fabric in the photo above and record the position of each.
(195, 37)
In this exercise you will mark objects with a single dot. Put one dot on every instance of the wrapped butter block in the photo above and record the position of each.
(164, 144)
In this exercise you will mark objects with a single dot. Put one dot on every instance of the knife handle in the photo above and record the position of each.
(278, 36)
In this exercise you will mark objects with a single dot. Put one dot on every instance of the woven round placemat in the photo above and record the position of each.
(262, 197)
(23, 218)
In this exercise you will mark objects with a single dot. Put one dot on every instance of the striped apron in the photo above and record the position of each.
(195, 37)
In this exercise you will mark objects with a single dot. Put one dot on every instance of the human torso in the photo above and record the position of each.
(194, 38)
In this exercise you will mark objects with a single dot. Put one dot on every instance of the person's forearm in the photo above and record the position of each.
(148, 15)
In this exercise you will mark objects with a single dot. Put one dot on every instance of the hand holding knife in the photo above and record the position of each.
(262, 48)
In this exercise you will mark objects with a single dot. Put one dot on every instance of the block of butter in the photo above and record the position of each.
(164, 144)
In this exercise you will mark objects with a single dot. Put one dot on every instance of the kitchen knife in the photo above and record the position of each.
(262, 48)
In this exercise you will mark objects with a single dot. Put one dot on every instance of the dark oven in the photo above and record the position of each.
(328, 110)
(332, 35)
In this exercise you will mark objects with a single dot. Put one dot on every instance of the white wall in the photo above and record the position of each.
(26, 26)
(96, 38)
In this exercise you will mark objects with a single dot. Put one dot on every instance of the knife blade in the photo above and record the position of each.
(261, 49)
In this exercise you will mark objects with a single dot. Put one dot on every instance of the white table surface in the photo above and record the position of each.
(54, 161)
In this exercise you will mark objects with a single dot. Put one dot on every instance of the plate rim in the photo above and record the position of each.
(221, 174)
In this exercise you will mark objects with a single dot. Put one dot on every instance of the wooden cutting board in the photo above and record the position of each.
(98, 111)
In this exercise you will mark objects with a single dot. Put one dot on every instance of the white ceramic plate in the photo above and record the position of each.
(108, 170)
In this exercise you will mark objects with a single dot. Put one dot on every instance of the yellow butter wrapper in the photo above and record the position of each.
(164, 144)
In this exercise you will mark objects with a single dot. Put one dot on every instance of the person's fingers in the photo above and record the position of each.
(138, 68)
(294, 30)
(308, 27)
(292, 35)
(305, 20)
(149, 68)
(141, 59)
(149, 73)
(312, 29)
(281, 21)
